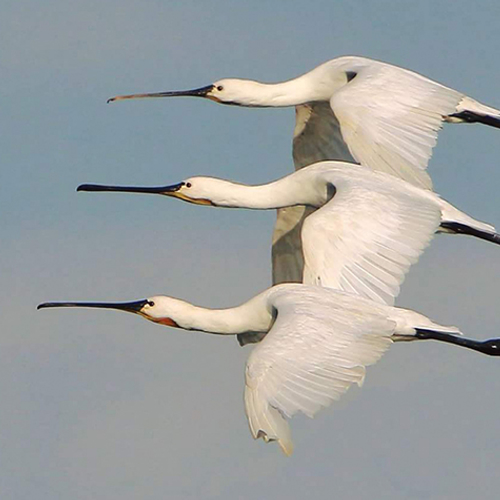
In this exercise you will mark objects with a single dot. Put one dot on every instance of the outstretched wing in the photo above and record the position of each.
(318, 346)
(287, 254)
(390, 118)
(365, 239)
(317, 137)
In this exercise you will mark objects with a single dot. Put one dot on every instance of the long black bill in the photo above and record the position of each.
(491, 347)
(133, 307)
(166, 190)
(201, 92)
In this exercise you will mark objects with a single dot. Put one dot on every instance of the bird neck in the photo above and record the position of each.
(289, 93)
(294, 189)
(252, 316)
(318, 84)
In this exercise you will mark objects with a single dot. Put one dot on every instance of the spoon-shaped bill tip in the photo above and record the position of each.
(131, 96)
(94, 188)
(50, 304)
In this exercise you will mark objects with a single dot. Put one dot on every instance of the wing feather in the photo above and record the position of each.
(317, 347)
(365, 239)
(317, 137)
(390, 117)
(385, 118)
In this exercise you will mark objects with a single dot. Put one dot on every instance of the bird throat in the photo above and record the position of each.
(166, 322)
(195, 201)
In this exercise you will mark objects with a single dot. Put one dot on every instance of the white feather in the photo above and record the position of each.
(318, 346)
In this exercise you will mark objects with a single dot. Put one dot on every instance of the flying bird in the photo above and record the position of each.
(354, 109)
(368, 228)
(319, 343)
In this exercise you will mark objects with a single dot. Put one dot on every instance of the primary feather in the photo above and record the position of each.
(318, 346)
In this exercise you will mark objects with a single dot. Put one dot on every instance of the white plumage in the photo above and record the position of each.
(318, 346)
(354, 109)
(366, 238)
(368, 229)
(318, 343)
(373, 222)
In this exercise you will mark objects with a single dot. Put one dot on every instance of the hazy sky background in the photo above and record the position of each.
(104, 405)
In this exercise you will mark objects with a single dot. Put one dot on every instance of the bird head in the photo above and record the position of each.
(233, 91)
(197, 190)
(160, 309)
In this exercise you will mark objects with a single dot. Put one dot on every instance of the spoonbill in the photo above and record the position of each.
(387, 117)
(319, 342)
(369, 227)
(354, 109)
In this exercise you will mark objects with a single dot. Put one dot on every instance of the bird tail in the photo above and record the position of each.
(471, 111)
(265, 421)
(408, 323)
(457, 222)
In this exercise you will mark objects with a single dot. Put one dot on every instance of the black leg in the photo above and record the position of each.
(458, 228)
(491, 347)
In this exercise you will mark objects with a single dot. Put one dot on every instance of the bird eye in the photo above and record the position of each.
(188, 184)
(220, 88)
(151, 303)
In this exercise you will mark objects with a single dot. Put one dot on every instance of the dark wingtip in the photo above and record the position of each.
(111, 99)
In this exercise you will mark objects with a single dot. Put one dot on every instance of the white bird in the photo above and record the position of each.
(319, 343)
(369, 227)
(353, 109)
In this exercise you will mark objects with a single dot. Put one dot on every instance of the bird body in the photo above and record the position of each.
(319, 343)
(354, 109)
(368, 229)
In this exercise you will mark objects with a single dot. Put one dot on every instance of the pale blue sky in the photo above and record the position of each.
(103, 405)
